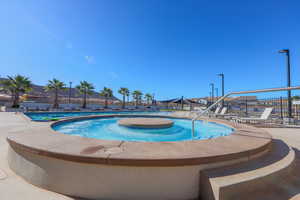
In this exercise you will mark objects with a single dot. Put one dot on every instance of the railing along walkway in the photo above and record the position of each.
(201, 113)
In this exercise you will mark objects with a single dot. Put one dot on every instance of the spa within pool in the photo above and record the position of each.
(107, 128)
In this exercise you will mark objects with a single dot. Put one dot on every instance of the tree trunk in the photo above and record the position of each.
(105, 102)
(123, 101)
(16, 100)
(84, 100)
(136, 102)
(55, 105)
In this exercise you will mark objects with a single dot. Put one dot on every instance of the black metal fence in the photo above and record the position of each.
(252, 106)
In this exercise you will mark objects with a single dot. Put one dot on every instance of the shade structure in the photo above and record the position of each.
(179, 101)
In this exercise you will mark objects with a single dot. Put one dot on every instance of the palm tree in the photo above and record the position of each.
(16, 85)
(124, 92)
(85, 88)
(55, 85)
(148, 98)
(128, 94)
(137, 96)
(106, 93)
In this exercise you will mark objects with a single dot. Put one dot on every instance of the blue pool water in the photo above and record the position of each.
(108, 129)
(44, 116)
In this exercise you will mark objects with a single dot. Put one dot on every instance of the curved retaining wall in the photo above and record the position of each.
(99, 169)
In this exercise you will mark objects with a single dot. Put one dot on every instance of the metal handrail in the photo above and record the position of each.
(241, 92)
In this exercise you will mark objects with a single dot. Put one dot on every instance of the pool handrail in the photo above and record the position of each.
(234, 93)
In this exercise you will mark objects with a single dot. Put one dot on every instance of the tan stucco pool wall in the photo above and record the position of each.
(98, 169)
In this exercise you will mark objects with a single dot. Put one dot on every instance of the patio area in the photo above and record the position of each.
(14, 187)
(11, 185)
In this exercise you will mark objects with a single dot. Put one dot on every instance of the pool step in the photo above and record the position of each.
(244, 180)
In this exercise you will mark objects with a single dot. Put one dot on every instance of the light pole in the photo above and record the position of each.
(153, 99)
(70, 91)
(287, 53)
(212, 91)
(222, 77)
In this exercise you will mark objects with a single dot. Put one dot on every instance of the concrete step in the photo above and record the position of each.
(285, 188)
(240, 181)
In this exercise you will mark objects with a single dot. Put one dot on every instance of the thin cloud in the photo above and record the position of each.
(113, 75)
(69, 45)
(90, 59)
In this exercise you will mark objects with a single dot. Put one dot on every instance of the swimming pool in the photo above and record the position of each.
(107, 128)
(48, 116)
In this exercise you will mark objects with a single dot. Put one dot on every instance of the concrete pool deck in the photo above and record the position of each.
(56, 161)
(43, 140)
(14, 187)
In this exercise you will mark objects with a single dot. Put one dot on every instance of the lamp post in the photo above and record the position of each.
(222, 77)
(287, 53)
(70, 91)
(153, 99)
(212, 91)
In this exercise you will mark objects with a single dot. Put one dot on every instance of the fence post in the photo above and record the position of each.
(297, 111)
(281, 113)
(246, 107)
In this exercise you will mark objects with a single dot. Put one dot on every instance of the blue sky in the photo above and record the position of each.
(167, 47)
